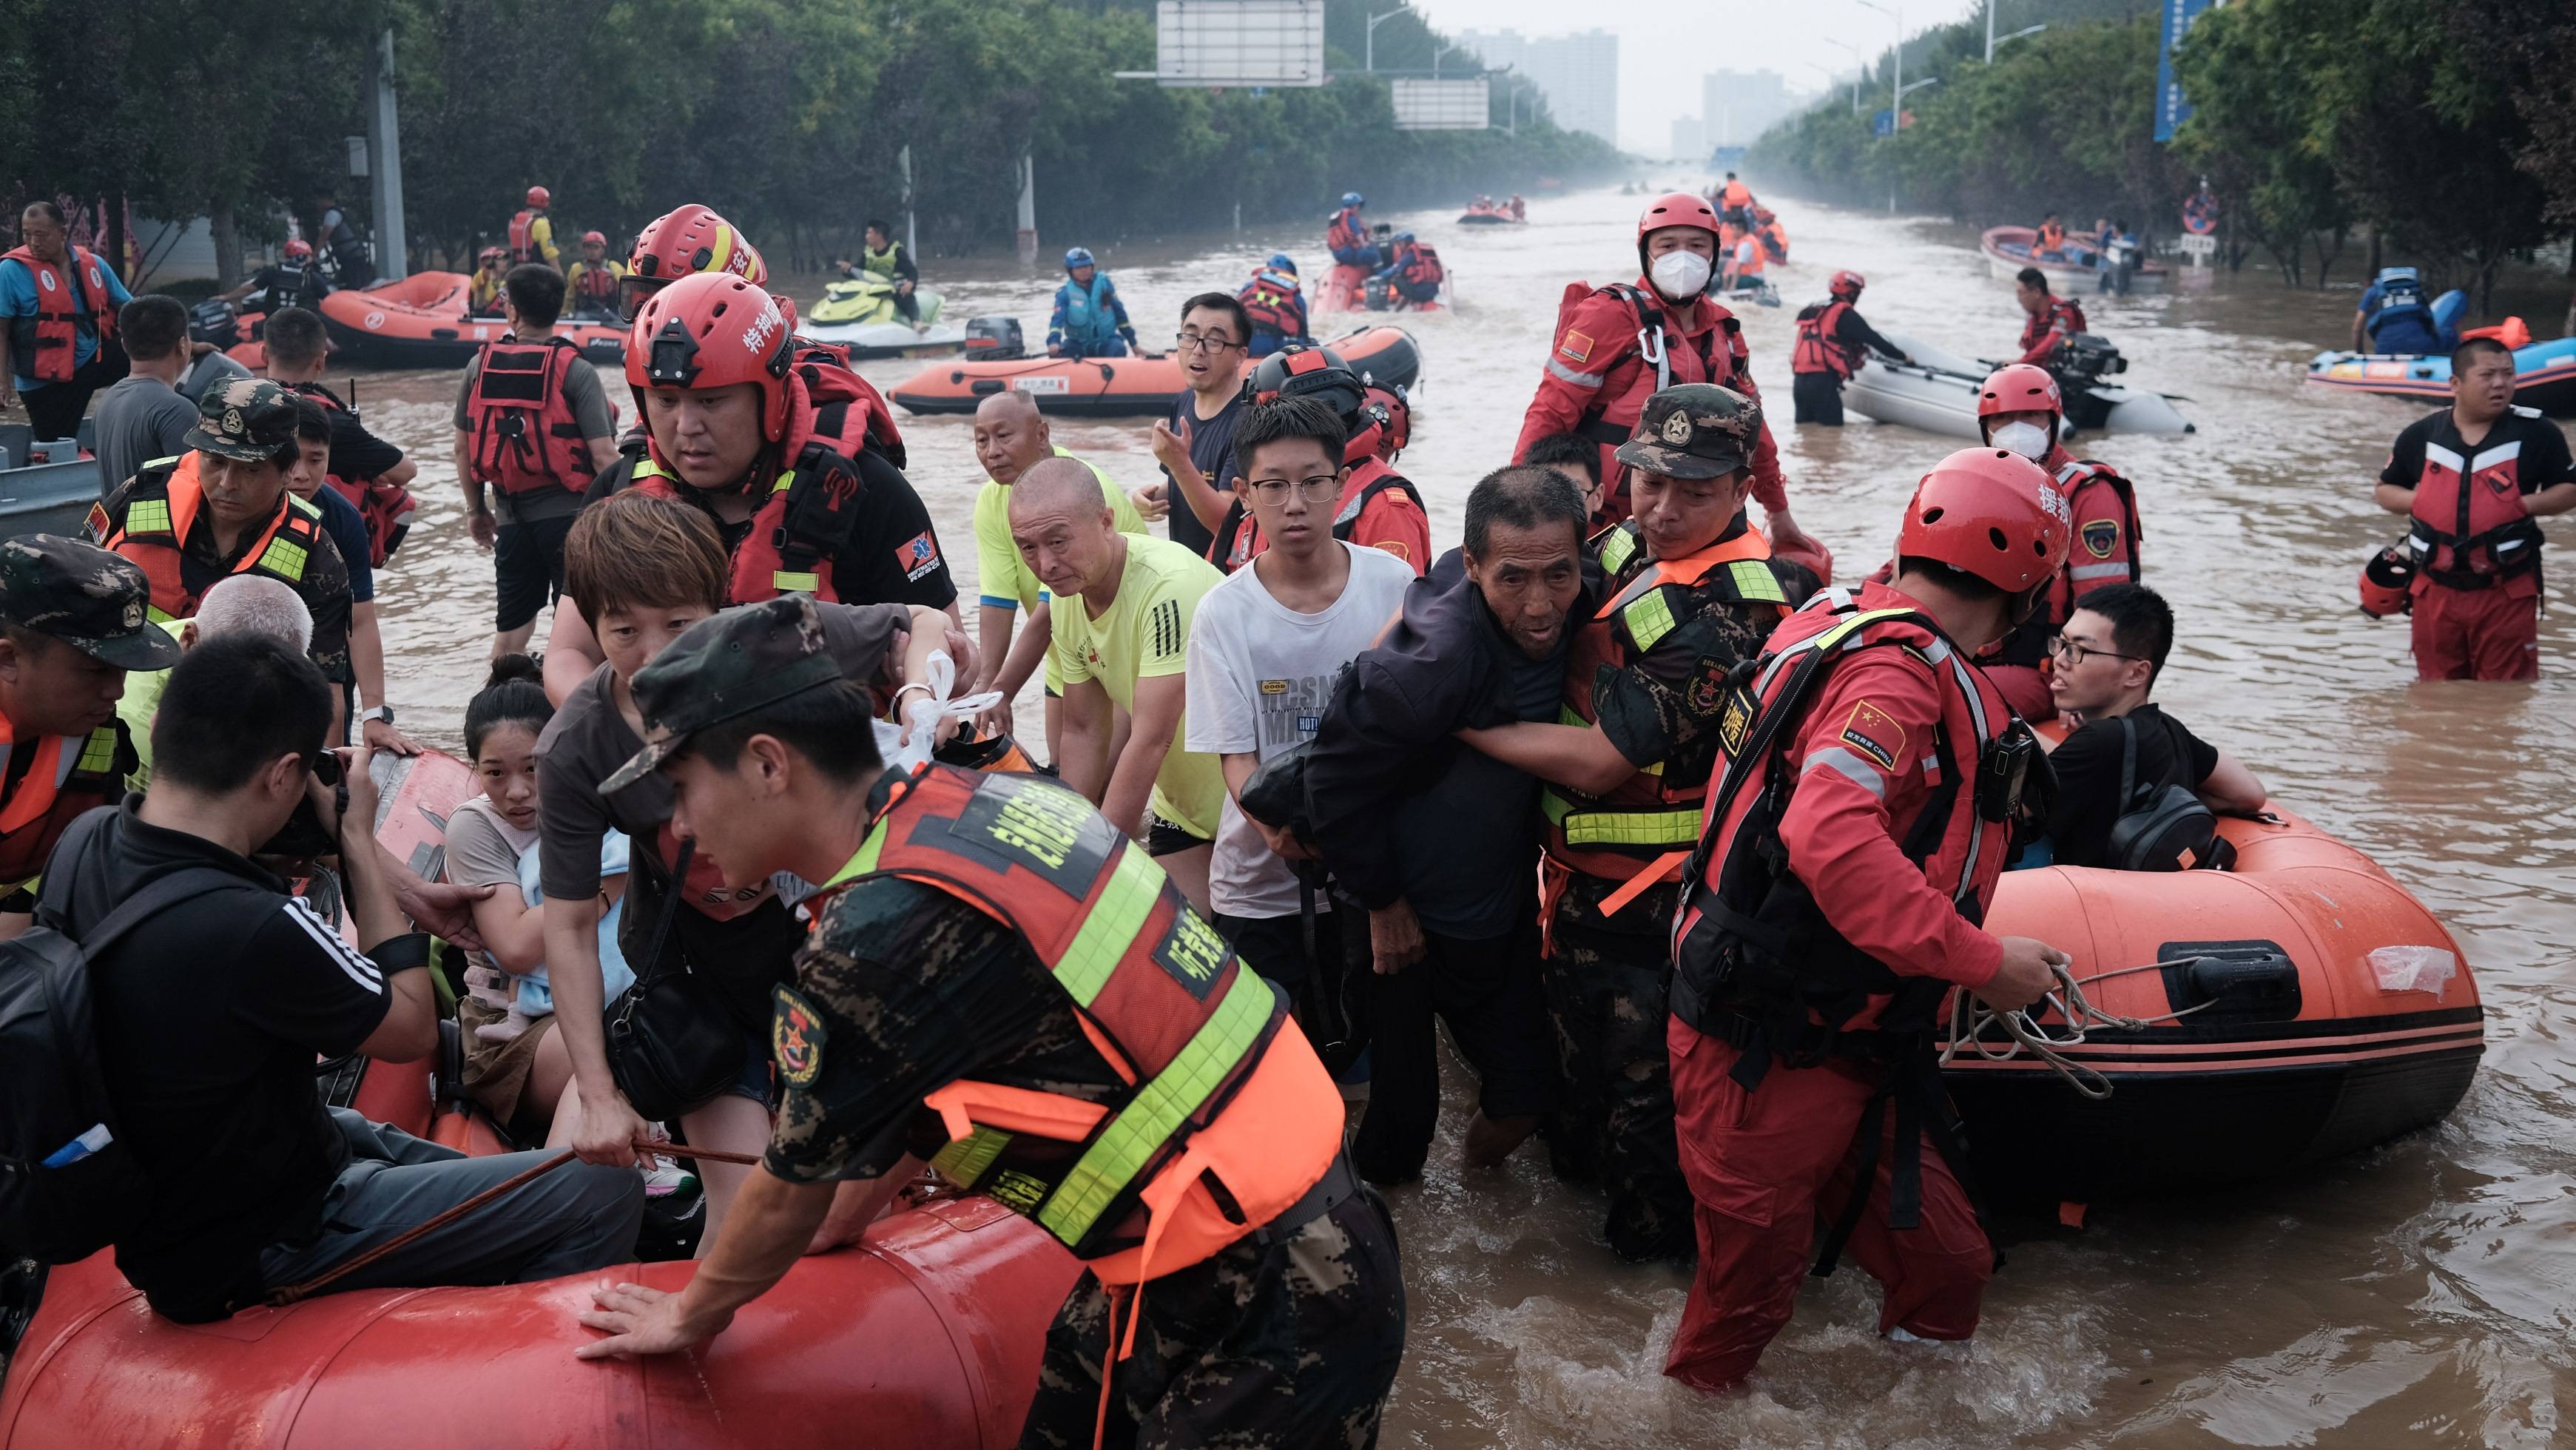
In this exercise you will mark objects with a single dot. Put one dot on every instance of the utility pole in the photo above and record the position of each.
(1368, 44)
(903, 167)
(1990, 32)
(1028, 238)
(384, 138)
(1896, 87)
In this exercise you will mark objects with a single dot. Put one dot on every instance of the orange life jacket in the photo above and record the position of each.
(2052, 235)
(70, 774)
(523, 236)
(1421, 266)
(597, 282)
(1736, 194)
(1747, 257)
(2469, 529)
(1346, 231)
(150, 524)
(526, 436)
(1274, 303)
(1231, 1117)
(798, 532)
(387, 507)
(1648, 822)
(1774, 239)
(1820, 348)
(46, 347)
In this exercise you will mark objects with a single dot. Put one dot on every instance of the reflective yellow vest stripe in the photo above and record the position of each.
(1620, 828)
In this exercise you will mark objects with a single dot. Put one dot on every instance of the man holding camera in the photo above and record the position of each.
(210, 1013)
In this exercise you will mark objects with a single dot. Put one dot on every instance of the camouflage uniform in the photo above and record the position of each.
(1607, 977)
(902, 989)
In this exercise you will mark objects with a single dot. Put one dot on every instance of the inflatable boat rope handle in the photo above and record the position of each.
(1969, 1019)
(665, 1148)
(279, 1298)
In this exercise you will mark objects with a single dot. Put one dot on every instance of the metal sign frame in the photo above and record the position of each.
(1446, 104)
(1229, 43)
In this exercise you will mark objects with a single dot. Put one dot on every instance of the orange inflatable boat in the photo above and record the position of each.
(2300, 1006)
(1123, 387)
(420, 321)
(1344, 290)
(927, 1334)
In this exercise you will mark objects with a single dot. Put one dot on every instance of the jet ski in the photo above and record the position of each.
(859, 312)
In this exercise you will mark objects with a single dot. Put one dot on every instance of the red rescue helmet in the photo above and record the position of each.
(1817, 558)
(539, 196)
(1990, 513)
(1675, 209)
(2019, 388)
(493, 254)
(2385, 582)
(713, 330)
(690, 239)
(587, 238)
(1846, 284)
(1304, 370)
(297, 249)
(1397, 411)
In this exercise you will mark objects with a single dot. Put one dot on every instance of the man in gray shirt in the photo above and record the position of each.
(143, 417)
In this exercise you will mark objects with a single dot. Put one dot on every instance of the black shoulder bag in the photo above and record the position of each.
(671, 1047)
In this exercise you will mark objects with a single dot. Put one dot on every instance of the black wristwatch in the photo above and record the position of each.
(381, 712)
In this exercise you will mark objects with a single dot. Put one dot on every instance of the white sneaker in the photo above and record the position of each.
(666, 1178)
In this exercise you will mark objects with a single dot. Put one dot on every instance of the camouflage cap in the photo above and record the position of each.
(88, 598)
(724, 667)
(1694, 430)
(248, 419)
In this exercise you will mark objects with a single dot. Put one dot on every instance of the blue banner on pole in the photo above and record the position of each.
(2171, 109)
(1883, 123)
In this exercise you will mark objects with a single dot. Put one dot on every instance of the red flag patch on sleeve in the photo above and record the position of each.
(1875, 733)
(1577, 346)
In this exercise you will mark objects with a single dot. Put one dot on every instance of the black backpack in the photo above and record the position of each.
(57, 1202)
(2161, 827)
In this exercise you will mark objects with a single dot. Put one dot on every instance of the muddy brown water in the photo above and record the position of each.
(2422, 1293)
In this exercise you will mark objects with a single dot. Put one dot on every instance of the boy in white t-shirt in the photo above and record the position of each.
(1264, 651)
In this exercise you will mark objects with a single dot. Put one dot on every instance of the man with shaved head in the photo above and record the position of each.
(238, 604)
(1121, 642)
(1011, 437)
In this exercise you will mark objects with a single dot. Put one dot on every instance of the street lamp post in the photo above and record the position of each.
(1896, 83)
(1368, 44)
(1858, 66)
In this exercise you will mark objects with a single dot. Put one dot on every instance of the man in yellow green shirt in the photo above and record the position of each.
(1121, 641)
(1011, 437)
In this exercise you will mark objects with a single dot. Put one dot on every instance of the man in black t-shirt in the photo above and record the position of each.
(210, 1014)
(1195, 444)
(2107, 658)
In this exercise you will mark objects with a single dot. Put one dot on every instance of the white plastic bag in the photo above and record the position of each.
(922, 714)
(2413, 969)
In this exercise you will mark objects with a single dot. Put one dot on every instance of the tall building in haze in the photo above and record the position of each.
(1737, 106)
(1579, 73)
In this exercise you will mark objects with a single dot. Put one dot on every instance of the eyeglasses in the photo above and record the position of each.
(2071, 653)
(1203, 342)
(1322, 488)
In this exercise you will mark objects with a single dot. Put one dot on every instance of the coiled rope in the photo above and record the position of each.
(1970, 1018)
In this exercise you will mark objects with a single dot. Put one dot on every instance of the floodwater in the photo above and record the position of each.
(2422, 1293)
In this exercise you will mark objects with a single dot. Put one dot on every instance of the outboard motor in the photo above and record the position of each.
(214, 321)
(2080, 364)
(1379, 294)
(992, 339)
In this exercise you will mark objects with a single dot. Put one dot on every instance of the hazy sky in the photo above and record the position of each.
(1665, 46)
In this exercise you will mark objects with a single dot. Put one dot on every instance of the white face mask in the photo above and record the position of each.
(1679, 275)
(2027, 439)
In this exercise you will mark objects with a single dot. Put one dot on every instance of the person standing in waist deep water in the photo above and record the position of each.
(1090, 319)
(1833, 339)
(1240, 1287)
(1691, 589)
(1435, 845)
(2394, 317)
(1600, 371)
(2473, 481)
(58, 306)
(1876, 860)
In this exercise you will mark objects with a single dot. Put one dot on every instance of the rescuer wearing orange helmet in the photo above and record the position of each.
(1616, 346)
(532, 236)
(1833, 341)
(593, 284)
(1847, 858)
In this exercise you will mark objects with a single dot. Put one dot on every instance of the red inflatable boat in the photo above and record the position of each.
(925, 1335)
(421, 322)
(1123, 387)
(1343, 290)
(2322, 1009)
